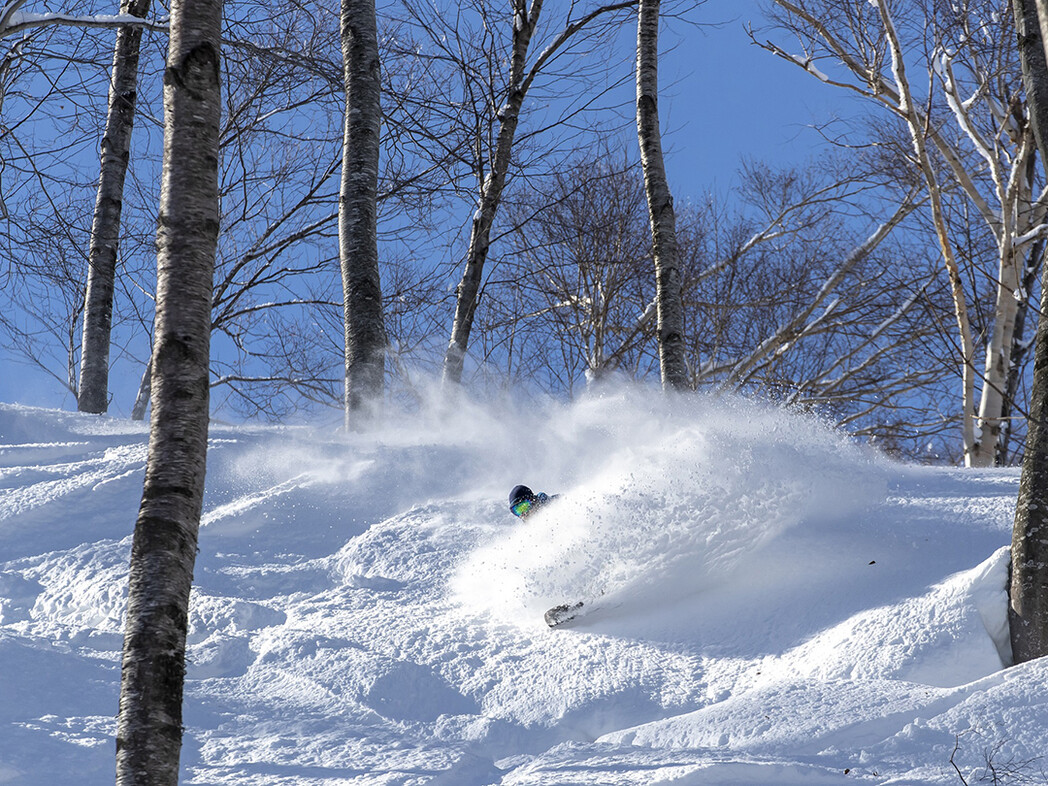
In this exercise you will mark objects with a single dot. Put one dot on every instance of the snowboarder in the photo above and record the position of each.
(523, 501)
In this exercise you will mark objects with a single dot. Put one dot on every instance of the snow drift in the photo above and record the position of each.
(774, 603)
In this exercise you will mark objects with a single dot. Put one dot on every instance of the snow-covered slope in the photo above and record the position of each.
(768, 604)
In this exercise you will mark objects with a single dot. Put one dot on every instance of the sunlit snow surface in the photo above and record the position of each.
(767, 603)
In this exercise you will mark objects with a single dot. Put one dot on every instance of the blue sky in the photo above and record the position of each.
(723, 99)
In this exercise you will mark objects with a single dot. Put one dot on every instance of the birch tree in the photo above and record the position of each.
(93, 390)
(969, 138)
(491, 172)
(45, 220)
(358, 242)
(666, 254)
(1028, 590)
(278, 306)
(149, 731)
(791, 291)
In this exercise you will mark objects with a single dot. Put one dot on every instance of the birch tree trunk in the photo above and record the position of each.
(998, 358)
(669, 306)
(93, 390)
(1021, 348)
(907, 109)
(138, 411)
(491, 188)
(1041, 10)
(1028, 591)
(365, 334)
(149, 730)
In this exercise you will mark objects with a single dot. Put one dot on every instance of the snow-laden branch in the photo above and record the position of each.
(312, 382)
(808, 64)
(13, 20)
(1039, 231)
(944, 70)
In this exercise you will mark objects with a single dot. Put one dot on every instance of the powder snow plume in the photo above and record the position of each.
(662, 498)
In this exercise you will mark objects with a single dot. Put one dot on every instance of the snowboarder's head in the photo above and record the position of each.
(521, 501)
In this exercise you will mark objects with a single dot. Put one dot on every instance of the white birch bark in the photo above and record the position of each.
(149, 730)
(1028, 582)
(93, 390)
(666, 254)
(1013, 190)
(524, 22)
(365, 335)
(1041, 11)
(138, 410)
(998, 351)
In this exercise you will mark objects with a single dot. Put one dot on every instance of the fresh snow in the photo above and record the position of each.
(768, 603)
